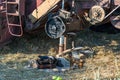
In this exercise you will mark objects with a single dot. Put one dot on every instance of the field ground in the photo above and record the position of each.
(104, 65)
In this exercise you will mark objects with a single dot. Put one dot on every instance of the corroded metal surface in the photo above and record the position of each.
(78, 22)
(5, 36)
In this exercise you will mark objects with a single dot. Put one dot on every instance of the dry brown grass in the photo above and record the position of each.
(105, 65)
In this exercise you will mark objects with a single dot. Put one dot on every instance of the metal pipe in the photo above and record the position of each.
(65, 42)
(61, 44)
(73, 6)
(63, 3)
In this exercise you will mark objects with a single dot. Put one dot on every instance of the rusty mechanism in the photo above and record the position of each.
(58, 16)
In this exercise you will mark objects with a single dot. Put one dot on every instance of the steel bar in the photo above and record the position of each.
(69, 50)
(61, 44)
(63, 2)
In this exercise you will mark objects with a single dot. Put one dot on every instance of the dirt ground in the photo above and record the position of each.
(104, 65)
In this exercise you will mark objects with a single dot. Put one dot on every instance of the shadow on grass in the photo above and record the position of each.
(104, 36)
(30, 44)
(41, 44)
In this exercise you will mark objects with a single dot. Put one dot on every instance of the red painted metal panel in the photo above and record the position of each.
(22, 7)
(0, 4)
(0, 1)
(31, 5)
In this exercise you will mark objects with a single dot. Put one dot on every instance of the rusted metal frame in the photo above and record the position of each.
(5, 36)
(21, 10)
(20, 13)
(19, 16)
(61, 44)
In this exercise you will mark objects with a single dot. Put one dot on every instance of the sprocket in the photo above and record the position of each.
(96, 14)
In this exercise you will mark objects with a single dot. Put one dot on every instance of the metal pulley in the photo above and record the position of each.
(96, 14)
(55, 27)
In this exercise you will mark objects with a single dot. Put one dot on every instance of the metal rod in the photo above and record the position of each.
(69, 50)
(65, 42)
(73, 6)
(63, 3)
(73, 44)
(112, 12)
(61, 44)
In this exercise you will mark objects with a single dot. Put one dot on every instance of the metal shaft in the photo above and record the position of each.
(63, 3)
(61, 44)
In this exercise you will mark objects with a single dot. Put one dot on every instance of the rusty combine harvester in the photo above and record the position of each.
(57, 16)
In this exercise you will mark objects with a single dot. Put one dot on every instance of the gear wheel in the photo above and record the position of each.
(96, 14)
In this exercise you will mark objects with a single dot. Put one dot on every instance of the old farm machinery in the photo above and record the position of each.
(58, 16)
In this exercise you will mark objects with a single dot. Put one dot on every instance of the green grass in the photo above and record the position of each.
(103, 66)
